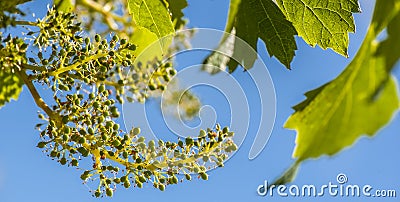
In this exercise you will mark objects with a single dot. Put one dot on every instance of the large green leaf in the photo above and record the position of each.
(148, 47)
(254, 19)
(359, 101)
(7, 11)
(325, 22)
(152, 15)
(11, 6)
(10, 87)
(233, 11)
(65, 5)
(274, 30)
(176, 7)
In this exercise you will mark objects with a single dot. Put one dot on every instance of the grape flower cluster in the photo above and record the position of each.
(88, 79)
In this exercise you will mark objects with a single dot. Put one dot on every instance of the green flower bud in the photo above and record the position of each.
(203, 175)
(132, 47)
(161, 187)
(53, 154)
(152, 143)
(127, 184)
(65, 119)
(172, 72)
(74, 162)
(141, 139)
(124, 178)
(82, 140)
(63, 161)
(174, 180)
(139, 184)
(114, 110)
(152, 87)
(106, 113)
(82, 150)
(117, 180)
(101, 119)
(196, 170)
(102, 88)
(225, 130)
(188, 177)
(96, 105)
(142, 179)
(97, 194)
(41, 144)
(166, 78)
(136, 131)
(104, 137)
(206, 158)
(125, 154)
(188, 141)
(90, 131)
(116, 143)
(233, 147)
(202, 133)
(116, 126)
(109, 124)
(109, 192)
(180, 143)
(97, 38)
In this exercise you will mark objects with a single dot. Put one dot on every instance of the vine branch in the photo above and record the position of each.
(38, 99)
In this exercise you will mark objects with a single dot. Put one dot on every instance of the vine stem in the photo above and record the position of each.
(38, 99)
(33, 67)
(76, 65)
(108, 16)
(22, 22)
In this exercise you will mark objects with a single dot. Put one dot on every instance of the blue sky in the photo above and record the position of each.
(26, 174)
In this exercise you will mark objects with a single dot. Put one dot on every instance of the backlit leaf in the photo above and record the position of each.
(358, 102)
(322, 22)
(10, 87)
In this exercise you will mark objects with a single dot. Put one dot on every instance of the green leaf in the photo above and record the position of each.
(233, 11)
(152, 15)
(359, 101)
(274, 30)
(142, 39)
(325, 23)
(255, 19)
(218, 59)
(147, 46)
(176, 7)
(10, 87)
(8, 9)
(65, 5)
(246, 28)
(11, 6)
(385, 48)
(288, 176)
